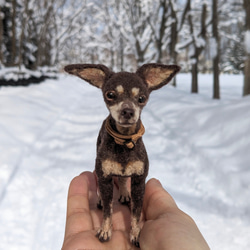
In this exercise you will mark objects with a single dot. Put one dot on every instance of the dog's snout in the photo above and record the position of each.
(127, 113)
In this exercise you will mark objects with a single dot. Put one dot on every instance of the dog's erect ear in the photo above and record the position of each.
(157, 75)
(95, 74)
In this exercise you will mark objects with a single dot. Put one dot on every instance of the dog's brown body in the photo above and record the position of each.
(120, 149)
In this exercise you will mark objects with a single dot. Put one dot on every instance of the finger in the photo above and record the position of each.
(78, 215)
(165, 221)
(93, 197)
(157, 200)
(91, 178)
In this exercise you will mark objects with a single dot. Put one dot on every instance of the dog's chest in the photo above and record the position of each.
(121, 161)
(110, 167)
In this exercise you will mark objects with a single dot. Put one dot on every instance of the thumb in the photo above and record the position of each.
(157, 200)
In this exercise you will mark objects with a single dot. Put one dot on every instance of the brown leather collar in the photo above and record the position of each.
(127, 140)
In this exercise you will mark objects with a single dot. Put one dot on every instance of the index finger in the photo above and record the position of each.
(78, 212)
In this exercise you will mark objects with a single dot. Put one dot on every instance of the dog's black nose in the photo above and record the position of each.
(127, 113)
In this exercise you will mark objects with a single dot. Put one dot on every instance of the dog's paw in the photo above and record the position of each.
(104, 235)
(134, 236)
(125, 200)
(135, 240)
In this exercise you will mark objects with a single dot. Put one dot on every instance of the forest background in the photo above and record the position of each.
(207, 36)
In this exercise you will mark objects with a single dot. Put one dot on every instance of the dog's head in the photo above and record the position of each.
(125, 94)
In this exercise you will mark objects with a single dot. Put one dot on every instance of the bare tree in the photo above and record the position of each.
(158, 26)
(216, 52)
(174, 35)
(1, 38)
(72, 32)
(141, 31)
(25, 17)
(193, 36)
(13, 29)
(125, 34)
(198, 43)
(8, 32)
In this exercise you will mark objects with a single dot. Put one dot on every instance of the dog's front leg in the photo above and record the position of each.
(106, 193)
(137, 193)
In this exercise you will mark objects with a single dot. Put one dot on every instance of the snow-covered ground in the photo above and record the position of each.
(198, 148)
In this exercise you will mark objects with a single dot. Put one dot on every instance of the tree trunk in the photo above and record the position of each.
(1, 39)
(198, 50)
(246, 89)
(162, 28)
(22, 35)
(112, 59)
(13, 29)
(216, 59)
(174, 38)
(194, 88)
(121, 53)
(216, 80)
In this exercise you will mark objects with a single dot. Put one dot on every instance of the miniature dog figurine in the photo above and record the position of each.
(120, 150)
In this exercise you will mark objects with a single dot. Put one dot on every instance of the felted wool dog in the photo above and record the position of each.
(120, 149)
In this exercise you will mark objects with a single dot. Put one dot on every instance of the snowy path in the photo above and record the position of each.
(198, 148)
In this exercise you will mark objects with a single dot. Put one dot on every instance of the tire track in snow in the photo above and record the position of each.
(26, 148)
(188, 161)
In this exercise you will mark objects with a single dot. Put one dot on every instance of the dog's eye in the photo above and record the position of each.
(110, 95)
(142, 99)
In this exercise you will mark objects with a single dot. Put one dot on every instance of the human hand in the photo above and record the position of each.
(84, 218)
(165, 226)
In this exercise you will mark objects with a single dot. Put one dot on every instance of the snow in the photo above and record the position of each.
(14, 73)
(247, 41)
(213, 47)
(198, 148)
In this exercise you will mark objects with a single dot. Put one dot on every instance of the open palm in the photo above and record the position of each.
(83, 217)
(165, 226)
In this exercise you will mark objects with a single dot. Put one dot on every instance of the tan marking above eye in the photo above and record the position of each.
(135, 91)
(120, 89)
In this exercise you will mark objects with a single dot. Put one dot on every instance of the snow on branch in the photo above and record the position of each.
(213, 47)
(247, 41)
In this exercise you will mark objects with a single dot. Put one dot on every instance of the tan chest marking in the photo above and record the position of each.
(114, 168)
